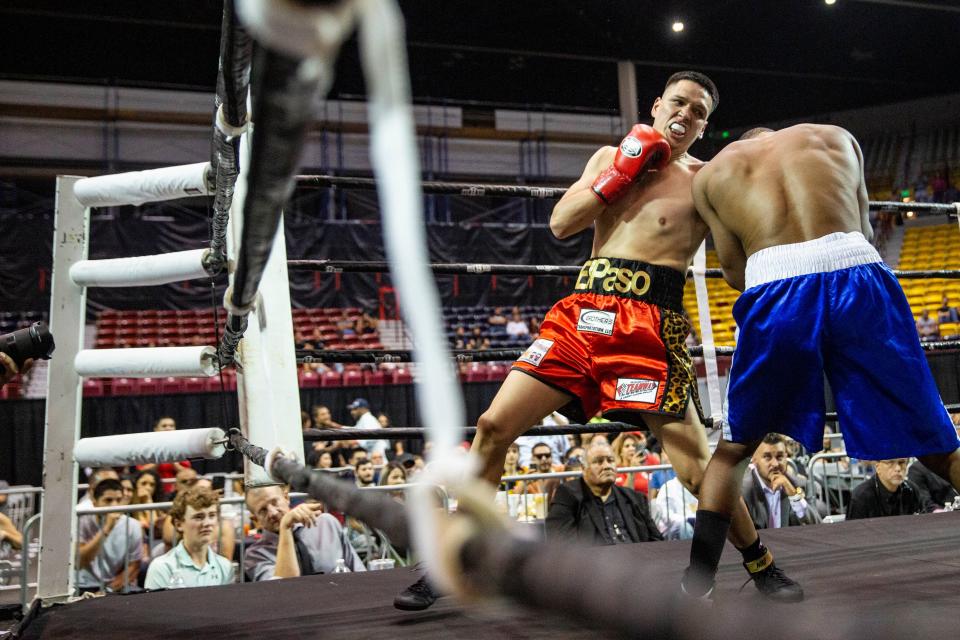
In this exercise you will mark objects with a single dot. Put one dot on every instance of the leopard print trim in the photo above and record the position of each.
(682, 384)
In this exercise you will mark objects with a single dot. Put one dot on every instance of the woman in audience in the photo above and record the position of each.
(511, 465)
(147, 488)
(629, 449)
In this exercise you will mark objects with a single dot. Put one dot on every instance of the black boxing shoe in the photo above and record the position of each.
(771, 581)
(417, 597)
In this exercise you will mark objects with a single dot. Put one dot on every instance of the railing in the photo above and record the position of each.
(832, 483)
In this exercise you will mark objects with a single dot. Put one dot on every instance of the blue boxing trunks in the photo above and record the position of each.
(830, 306)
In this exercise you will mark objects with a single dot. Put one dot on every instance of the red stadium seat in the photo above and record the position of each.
(195, 385)
(308, 379)
(92, 388)
(147, 386)
(122, 387)
(373, 378)
(402, 376)
(497, 372)
(352, 378)
(331, 379)
(171, 385)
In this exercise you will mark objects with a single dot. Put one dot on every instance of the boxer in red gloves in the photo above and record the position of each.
(616, 344)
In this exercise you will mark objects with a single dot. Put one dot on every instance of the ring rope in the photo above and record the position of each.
(479, 190)
(380, 356)
(468, 268)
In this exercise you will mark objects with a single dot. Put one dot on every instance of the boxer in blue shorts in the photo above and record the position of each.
(788, 214)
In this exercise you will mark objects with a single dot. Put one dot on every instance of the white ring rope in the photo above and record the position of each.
(140, 187)
(141, 271)
(147, 362)
(150, 447)
(397, 170)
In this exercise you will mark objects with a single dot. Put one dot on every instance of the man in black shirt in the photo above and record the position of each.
(593, 510)
(887, 493)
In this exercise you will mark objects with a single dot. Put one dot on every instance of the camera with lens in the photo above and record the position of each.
(34, 341)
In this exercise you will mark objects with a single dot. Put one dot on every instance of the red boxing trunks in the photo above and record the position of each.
(617, 344)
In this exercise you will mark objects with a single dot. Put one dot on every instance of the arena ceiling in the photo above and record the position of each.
(772, 59)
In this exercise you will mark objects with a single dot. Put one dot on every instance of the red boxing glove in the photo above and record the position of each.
(643, 148)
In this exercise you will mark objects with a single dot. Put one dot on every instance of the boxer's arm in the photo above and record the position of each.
(862, 198)
(579, 207)
(733, 259)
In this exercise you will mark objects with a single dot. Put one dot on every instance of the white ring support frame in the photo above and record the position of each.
(150, 447)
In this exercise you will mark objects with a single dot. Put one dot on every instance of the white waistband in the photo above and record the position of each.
(830, 253)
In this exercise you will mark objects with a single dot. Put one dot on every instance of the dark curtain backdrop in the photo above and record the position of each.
(25, 260)
(22, 421)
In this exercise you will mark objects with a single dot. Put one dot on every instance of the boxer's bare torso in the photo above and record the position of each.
(783, 187)
(655, 222)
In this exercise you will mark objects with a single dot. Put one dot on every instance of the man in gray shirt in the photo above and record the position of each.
(111, 545)
(294, 542)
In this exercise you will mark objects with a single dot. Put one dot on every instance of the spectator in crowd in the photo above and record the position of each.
(364, 419)
(126, 482)
(927, 327)
(166, 469)
(305, 421)
(542, 461)
(630, 450)
(593, 510)
(575, 451)
(511, 466)
(322, 419)
(147, 489)
(9, 533)
(887, 493)
(497, 319)
(772, 496)
(364, 473)
(294, 542)
(185, 479)
(517, 327)
(96, 476)
(557, 444)
(939, 187)
(323, 460)
(393, 473)
(108, 544)
(397, 447)
(946, 312)
(367, 323)
(675, 510)
(534, 328)
(192, 563)
(932, 487)
(660, 477)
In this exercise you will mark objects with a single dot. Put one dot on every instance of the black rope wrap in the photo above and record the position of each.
(233, 332)
(378, 510)
(467, 268)
(283, 97)
(233, 83)
(480, 190)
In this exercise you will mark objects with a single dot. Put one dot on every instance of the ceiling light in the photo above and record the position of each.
(677, 26)
(830, 2)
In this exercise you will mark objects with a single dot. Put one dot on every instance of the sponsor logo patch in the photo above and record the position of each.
(631, 147)
(637, 390)
(596, 321)
(535, 352)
